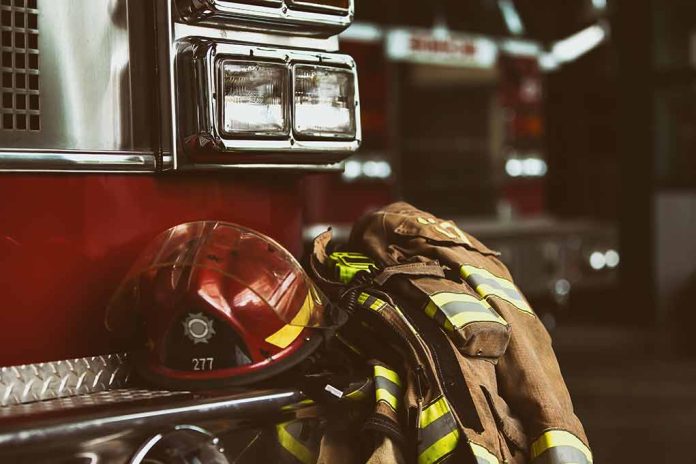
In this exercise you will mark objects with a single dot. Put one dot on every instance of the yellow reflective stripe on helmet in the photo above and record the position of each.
(487, 284)
(483, 456)
(292, 445)
(289, 332)
(438, 432)
(387, 386)
(560, 447)
(455, 310)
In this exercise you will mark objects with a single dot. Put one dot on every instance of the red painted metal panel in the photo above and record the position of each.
(67, 240)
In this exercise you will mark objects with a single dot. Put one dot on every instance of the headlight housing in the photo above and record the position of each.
(240, 104)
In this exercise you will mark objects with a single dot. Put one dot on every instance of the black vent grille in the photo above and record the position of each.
(19, 65)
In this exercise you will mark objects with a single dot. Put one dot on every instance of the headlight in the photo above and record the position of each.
(254, 99)
(324, 103)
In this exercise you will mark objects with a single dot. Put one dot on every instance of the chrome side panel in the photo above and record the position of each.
(95, 76)
(108, 88)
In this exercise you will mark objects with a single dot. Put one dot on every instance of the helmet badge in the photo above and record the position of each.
(198, 328)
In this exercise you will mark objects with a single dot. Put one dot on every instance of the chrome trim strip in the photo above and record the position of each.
(75, 161)
(335, 167)
(279, 17)
(329, 44)
(116, 419)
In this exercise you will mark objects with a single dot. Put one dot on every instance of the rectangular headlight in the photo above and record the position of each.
(255, 99)
(324, 103)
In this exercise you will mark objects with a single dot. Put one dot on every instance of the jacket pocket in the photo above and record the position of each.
(475, 328)
(509, 426)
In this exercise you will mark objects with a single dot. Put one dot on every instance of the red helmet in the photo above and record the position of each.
(217, 304)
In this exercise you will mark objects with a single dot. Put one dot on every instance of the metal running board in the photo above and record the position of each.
(60, 379)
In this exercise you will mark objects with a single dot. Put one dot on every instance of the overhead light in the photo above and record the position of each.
(520, 47)
(548, 62)
(578, 44)
(599, 4)
(511, 17)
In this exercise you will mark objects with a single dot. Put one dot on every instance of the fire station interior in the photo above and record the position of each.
(575, 161)
(561, 134)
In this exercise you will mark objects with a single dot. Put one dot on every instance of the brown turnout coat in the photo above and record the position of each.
(515, 406)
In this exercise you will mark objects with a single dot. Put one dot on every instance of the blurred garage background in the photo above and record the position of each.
(563, 134)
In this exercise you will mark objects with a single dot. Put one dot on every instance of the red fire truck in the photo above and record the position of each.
(120, 119)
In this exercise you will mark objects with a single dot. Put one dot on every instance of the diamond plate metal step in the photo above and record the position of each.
(59, 379)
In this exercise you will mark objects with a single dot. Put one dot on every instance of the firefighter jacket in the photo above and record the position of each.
(470, 375)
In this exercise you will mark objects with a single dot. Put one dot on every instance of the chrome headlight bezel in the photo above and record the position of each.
(199, 108)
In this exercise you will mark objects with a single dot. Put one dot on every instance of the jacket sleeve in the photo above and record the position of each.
(529, 377)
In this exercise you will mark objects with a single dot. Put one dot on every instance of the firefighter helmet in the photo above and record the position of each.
(217, 304)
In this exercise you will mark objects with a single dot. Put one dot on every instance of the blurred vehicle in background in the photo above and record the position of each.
(454, 122)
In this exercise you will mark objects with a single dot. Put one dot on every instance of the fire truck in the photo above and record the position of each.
(120, 119)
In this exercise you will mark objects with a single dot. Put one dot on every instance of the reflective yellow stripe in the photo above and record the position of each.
(293, 446)
(371, 302)
(440, 448)
(559, 438)
(487, 284)
(433, 412)
(387, 373)
(387, 386)
(289, 332)
(455, 310)
(439, 433)
(483, 456)
(363, 298)
(383, 395)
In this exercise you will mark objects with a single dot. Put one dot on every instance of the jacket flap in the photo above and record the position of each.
(424, 225)
(432, 269)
